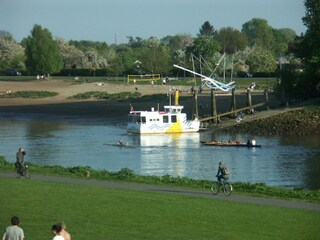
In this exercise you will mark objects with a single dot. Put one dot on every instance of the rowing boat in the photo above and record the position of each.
(229, 144)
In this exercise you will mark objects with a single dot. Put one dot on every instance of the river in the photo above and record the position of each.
(290, 161)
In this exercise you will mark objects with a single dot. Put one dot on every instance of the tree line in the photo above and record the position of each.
(258, 48)
(39, 53)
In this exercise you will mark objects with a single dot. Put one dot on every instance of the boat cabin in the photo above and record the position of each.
(168, 116)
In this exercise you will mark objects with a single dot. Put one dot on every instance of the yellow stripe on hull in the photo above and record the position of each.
(175, 128)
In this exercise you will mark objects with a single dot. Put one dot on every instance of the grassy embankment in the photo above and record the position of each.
(127, 175)
(299, 122)
(93, 212)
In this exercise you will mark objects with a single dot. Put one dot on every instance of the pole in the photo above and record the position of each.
(213, 105)
(266, 98)
(249, 101)
(233, 101)
(195, 104)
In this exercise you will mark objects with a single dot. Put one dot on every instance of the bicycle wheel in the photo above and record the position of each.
(215, 188)
(227, 189)
(27, 173)
(17, 173)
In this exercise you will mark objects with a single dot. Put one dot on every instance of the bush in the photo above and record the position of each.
(29, 94)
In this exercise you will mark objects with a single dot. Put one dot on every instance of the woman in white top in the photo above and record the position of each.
(56, 230)
(64, 232)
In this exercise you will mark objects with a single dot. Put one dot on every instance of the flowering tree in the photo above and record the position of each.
(11, 54)
(71, 56)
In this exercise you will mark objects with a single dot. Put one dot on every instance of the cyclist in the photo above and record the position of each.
(223, 172)
(20, 159)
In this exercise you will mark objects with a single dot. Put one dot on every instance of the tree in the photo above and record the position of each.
(232, 40)
(283, 38)
(135, 43)
(95, 59)
(261, 61)
(205, 46)
(98, 54)
(42, 52)
(259, 33)
(154, 56)
(6, 35)
(124, 60)
(207, 30)
(71, 56)
(11, 53)
(178, 46)
(309, 46)
(85, 45)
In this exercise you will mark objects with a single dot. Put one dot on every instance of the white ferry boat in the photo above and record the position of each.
(171, 120)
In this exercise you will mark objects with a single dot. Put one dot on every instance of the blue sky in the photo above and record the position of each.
(113, 20)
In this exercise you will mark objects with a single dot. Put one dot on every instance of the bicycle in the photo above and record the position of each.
(22, 171)
(224, 185)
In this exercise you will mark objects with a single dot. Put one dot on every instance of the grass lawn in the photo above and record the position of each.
(100, 213)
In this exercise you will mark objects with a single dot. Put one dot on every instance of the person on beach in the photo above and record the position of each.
(13, 232)
(20, 159)
(64, 233)
(56, 230)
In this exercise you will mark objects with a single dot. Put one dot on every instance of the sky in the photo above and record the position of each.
(112, 21)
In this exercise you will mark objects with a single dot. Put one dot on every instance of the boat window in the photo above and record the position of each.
(134, 119)
(165, 119)
(143, 120)
(173, 118)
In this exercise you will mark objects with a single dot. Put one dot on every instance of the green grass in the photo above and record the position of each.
(125, 174)
(241, 83)
(29, 94)
(261, 83)
(104, 95)
(93, 212)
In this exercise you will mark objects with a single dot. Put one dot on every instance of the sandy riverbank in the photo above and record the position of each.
(63, 105)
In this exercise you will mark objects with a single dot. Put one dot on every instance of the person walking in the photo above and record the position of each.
(20, 159)
(13, 232)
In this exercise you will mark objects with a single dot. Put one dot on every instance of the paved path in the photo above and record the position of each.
(172, 190)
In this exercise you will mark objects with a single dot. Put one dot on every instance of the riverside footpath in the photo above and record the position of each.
(175, 190)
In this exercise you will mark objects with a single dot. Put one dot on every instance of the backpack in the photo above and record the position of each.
(225, 170)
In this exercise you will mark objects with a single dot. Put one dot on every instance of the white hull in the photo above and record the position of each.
(170, 121)
(189, 127)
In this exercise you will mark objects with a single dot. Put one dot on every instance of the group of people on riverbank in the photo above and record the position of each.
(14, 232)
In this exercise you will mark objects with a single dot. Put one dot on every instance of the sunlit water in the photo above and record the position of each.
(282, 161)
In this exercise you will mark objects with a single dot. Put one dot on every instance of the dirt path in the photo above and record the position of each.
(173, 190)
